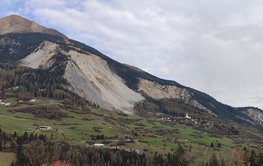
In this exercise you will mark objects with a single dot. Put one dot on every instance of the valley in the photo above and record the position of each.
(148, 133)
(81, 125)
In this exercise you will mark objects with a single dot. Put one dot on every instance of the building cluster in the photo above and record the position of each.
(4, 104)
(30, 101)
(100, 145)
(43, 128)
(187, 119)
(20, 101)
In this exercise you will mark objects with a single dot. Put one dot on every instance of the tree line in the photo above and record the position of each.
(33, 149)
(37, 149)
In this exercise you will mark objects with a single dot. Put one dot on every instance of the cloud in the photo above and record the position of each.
(214, 46)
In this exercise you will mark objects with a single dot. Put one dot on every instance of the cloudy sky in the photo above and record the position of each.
(215, 46)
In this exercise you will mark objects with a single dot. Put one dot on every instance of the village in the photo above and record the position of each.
(20, 101)
(4, 104)
(138, 133)
(183, 120)
(120, 144)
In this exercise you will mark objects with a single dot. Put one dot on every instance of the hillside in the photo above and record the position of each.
(147, 134)
(105, 82)
(48, 80)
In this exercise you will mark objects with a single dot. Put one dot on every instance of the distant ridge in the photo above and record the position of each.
(18, 24)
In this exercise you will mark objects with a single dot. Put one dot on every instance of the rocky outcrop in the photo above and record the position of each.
(158, 91)
(256, 115)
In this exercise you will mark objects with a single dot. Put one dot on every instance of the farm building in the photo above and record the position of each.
(99, 145)
(5, 104)
(43, 128)
(187, 116)
(32, 101)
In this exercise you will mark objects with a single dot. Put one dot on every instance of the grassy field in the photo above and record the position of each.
(196, 136)
(6, 159)
(149, 134)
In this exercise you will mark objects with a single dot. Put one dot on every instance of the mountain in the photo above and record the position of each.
(58, 64)
(18, 24)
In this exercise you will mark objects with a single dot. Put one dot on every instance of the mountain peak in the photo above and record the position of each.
(18, 24)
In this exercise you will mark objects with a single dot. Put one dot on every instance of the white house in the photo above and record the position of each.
(187, 116)
(32, 100)
(44, 128)
(99, 145)
(7, 104)
(115, 147)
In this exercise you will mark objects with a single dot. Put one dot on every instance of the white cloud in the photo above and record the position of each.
(214, 46)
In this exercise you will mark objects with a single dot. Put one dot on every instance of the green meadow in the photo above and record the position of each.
(150, 135)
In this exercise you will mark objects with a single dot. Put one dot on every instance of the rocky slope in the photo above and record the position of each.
(98, 78)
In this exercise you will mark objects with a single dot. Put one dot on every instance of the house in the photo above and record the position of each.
(7, 104)
(32, 101)
(166, 118)
(115, 147)
(99, 145)
(43, 128)
(187, 116)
